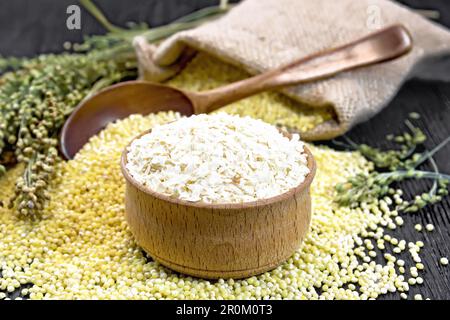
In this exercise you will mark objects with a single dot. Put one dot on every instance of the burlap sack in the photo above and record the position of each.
(262, 34)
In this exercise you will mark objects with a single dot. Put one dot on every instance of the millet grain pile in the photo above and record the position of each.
(206, 72)
(81, 248)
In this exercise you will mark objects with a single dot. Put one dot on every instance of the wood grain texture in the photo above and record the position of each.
(219, 240)
(24, 32)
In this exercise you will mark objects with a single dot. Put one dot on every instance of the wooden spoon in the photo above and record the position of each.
(121, 100)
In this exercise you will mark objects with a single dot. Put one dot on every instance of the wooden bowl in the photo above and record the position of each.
(218, 240)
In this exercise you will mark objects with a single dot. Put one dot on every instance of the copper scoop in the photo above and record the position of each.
(126, 98)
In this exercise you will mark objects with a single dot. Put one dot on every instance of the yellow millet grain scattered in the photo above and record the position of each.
(82, 247)
(206, 72)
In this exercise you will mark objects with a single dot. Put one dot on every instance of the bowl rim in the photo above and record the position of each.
(306, 183)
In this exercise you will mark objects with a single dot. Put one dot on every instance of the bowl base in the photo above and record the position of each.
(217, 274)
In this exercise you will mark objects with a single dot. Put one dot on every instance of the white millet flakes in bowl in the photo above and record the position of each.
(217, 158)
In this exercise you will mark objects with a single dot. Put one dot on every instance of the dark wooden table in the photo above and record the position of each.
(28, 27)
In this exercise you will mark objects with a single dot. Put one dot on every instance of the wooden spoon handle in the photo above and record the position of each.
(377, 47)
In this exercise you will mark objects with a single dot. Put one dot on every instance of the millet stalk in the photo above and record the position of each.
(401, 165)
(38, 94)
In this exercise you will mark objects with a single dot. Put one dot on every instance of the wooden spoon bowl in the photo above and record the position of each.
(118, 102)
(231, 240)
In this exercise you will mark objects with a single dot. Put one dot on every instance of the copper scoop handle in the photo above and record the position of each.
(380, 46)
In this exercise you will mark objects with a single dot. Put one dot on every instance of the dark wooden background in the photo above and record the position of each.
(29, 27)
